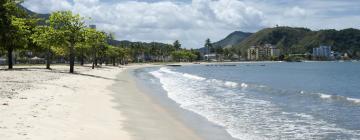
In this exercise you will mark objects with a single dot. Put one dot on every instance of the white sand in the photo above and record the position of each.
(38, 104)
(41, 105)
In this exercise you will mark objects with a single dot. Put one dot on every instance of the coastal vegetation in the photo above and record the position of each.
(63, 37)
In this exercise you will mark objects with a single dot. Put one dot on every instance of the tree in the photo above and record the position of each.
(183, 55)
(47, 38)
(208, 47)
(177, 45)
(71, 28)
(95, 40)
(82, 51)
(113, 54)
(228, 54)
(219, 52)
(14, 28)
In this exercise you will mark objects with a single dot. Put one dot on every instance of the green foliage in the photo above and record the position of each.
(152, 51)
(68, 25)
(71, 28)
(177, 45)
(49, 39)
(46, 36)
(183, 55)
(14, 28)
(208, 44)
(13, 25)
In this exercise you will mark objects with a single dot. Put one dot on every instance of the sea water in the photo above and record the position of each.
(273, 100)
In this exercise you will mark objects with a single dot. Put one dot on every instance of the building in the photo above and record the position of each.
(210, 57)
(265, 52)
(322, 51)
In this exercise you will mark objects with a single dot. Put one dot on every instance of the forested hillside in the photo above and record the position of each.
(302, 40)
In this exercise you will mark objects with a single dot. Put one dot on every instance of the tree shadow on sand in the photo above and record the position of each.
(64, 72)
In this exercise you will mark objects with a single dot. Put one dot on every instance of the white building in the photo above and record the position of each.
(322, 51)
(210, 57)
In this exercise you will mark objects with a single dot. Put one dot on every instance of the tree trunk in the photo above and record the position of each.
(82, 61)
(101, 61)
(10, 57)
(82, 58)
(48, 59)
(93, 63)
(72, 58)
(94, 58)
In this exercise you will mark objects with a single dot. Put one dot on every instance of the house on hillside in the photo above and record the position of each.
(264, 52)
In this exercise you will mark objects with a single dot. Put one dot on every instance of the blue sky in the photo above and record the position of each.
(192, 21)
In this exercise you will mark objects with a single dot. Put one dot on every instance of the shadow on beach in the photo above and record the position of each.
(64, 71)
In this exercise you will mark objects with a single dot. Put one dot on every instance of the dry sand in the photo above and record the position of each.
(39, 104)
(52, 105)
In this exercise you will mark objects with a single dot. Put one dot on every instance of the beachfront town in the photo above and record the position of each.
(269, 52)
(266, 52)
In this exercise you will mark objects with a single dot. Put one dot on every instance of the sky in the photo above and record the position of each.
(193, 21)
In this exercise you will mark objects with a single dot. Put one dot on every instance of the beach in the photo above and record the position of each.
(146, 119)
(104, 103)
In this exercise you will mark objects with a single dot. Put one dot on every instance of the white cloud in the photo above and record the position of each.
(296, 12)
(44, 6)
(237, 13)
(165, 21)
(192, 21)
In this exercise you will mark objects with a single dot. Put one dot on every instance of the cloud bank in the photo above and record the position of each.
(191, 22)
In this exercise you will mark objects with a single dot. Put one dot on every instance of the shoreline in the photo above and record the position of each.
(146, 119)
(105, 103)
(203, 127)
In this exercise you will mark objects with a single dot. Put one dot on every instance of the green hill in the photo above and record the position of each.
(44, 16)
(232, 39)
(302, 40)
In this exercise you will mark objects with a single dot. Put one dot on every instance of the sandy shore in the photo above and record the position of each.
(147, 120)
(48, 105)
(39, 104)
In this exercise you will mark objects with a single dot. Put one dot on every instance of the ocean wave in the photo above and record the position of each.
(262, 88)
(338, 98)
(195, 77)
(244, 85)
(229, 84)
(242, 116)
